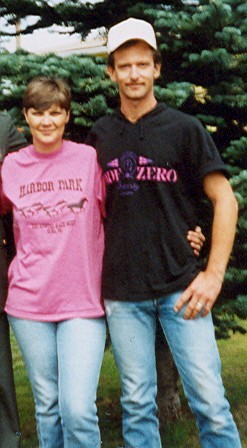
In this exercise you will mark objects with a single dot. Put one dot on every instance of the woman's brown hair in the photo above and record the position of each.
(42, 92)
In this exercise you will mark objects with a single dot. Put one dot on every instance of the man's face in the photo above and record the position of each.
(134, 71)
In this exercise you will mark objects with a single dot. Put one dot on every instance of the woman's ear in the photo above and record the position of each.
(25, 112)
(68, 116)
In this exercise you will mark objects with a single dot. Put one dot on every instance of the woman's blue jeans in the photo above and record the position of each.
(63, 362)
(132, 327)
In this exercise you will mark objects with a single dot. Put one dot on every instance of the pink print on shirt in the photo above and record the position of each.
(129, 169)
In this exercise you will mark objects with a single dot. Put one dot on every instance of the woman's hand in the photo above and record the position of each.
(196, 239)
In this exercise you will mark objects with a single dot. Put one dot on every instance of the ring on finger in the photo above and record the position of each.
(199, 305)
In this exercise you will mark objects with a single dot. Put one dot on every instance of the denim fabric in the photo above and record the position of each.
(132, 327)
(63, 362)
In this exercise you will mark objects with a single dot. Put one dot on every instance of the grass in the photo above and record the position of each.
(180, 434)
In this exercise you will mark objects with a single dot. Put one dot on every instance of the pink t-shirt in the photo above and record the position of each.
(57, 202)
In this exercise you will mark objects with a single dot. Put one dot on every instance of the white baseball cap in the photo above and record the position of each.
(130, 29)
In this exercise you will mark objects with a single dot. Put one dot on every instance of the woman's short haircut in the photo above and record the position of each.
(43, 92)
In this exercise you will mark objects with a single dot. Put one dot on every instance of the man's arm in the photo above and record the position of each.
(205, 288)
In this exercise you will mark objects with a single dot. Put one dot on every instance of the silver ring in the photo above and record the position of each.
(199, 305)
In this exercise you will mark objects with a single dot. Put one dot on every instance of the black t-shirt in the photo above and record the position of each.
(154, 171)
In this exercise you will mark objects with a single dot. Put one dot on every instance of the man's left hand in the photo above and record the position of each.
(200, 295)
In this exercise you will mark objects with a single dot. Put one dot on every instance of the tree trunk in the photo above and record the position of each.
(168, 399)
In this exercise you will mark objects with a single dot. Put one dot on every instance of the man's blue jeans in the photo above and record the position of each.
(132, 327)
(63, 362)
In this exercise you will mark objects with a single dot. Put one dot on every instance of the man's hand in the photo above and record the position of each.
(196, 239)
(200, 295)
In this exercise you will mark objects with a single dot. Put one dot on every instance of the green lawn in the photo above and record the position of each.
(181, 434)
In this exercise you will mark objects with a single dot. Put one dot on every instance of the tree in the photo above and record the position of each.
(203, 44)
(75, 16)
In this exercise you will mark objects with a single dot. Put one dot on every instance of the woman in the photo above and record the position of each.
(54, 304)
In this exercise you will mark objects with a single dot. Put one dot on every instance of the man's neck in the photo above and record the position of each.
(133, 110)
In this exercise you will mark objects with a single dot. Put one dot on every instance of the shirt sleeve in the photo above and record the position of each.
(15, 139)
(5, 204)
(204, 155)
(100, 189)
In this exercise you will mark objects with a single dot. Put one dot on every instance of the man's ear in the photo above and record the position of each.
(157, 70)
(111, 73)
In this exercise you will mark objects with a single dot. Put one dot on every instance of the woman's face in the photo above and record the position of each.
(47, 127)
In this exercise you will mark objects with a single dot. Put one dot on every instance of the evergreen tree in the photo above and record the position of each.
(203, 44)
(77, 15)
(92, 91)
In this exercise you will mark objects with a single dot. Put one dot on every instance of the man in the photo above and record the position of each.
(158, 163)
(10, 140)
